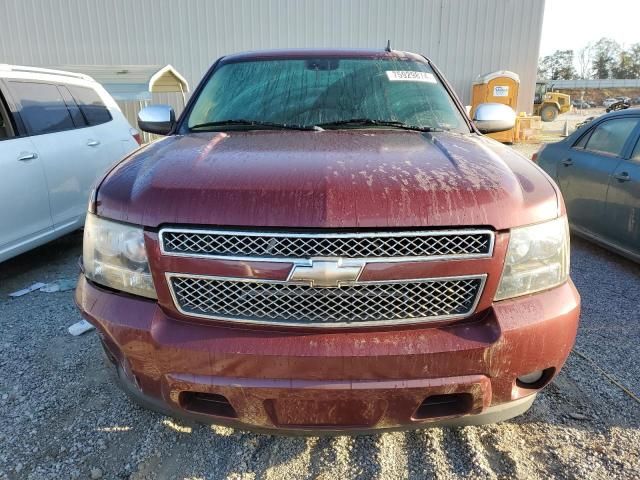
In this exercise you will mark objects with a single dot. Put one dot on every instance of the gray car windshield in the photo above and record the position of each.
(326, 92)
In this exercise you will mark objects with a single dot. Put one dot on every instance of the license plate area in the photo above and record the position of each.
(342, 412)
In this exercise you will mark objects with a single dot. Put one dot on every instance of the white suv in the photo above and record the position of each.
(59, 132)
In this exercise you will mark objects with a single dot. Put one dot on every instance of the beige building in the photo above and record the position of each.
(464, 37)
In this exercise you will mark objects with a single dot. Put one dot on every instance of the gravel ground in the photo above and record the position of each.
(60, 418)
(571, 118)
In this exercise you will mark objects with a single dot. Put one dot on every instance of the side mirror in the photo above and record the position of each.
(158, 119)
(494, 117)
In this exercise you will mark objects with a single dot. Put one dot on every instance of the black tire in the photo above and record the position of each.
(549, 113)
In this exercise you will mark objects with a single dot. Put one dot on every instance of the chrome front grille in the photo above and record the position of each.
(356, 304)
(378, 246)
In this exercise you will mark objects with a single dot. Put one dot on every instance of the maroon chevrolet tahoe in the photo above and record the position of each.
(324, 241)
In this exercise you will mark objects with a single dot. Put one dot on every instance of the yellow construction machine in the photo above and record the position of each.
(549, 104)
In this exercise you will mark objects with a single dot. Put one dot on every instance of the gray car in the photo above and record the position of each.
(598, 170)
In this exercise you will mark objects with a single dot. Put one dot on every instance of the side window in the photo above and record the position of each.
(636, 152)
(91, 106)
(6, 131)
(609, 137)
(580, 144)
(41, 107)
(77, 116)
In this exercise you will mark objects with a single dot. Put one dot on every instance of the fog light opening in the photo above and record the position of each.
(207, 403)
(532, 377)
(536, 379)
(448, 405)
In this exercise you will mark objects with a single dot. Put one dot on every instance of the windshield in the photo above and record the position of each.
(327, 92)
(541, 88)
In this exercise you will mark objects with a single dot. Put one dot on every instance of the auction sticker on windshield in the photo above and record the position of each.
(410, 76)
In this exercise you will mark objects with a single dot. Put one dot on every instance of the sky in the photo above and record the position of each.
(571, 24)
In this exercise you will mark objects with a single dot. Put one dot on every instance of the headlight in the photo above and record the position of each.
(114, 255)
(537, 259)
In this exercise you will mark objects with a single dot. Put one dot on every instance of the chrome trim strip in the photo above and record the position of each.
(472, 310)
(296, 260)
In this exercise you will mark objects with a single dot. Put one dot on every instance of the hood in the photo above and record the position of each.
(330, 179)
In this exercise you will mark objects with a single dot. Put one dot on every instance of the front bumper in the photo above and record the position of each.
(336, 381)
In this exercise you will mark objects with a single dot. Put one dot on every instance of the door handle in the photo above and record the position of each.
(93, 143)
(25, 156)
(567, 162)
(622, 177)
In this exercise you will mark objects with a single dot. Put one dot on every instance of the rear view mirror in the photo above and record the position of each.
(494, 117)
(158, 119)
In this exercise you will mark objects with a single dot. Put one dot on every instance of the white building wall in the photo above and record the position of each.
(464, 37)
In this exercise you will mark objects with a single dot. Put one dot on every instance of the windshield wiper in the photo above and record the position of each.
(254, 123)
(339, 123)
(378, 123)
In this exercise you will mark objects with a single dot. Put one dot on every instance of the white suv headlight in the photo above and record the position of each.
(537, 259)
(114, 255)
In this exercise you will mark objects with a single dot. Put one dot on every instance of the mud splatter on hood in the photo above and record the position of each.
(330, 179)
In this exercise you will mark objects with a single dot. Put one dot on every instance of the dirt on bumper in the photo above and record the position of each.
(336, 380)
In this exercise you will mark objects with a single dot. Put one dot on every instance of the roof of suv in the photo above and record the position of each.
(306, 53)
(30, 71)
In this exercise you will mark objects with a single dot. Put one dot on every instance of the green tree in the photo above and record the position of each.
(605, 57)
(624, 67)
(634, 53)
(557, 66)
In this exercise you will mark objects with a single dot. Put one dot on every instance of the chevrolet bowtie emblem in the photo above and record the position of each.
(326, 273)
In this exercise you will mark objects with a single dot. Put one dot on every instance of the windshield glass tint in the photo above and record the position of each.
(309, 92)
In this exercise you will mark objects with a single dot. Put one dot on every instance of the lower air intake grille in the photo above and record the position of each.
(359, 304)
